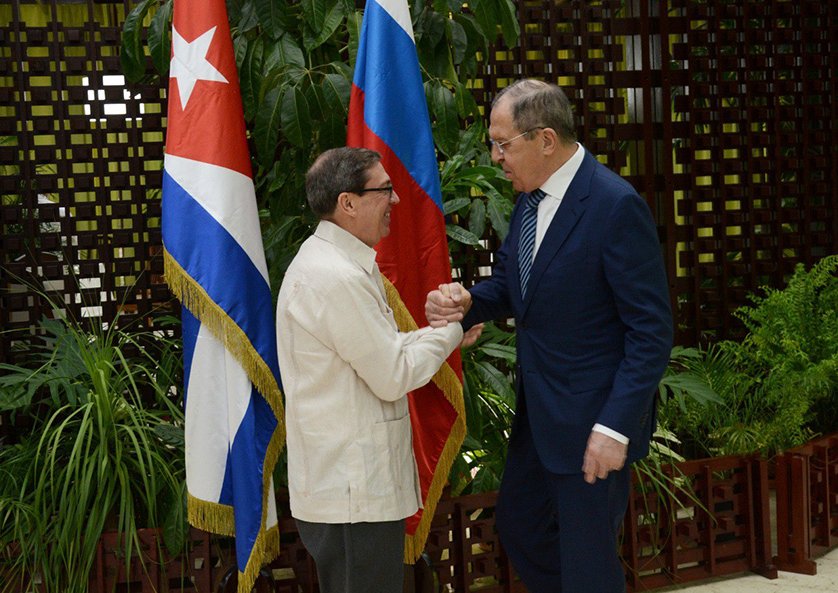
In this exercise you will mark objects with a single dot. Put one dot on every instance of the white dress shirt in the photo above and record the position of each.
(555, 187)
(345, 372)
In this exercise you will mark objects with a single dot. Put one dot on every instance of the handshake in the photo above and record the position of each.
(450, 303)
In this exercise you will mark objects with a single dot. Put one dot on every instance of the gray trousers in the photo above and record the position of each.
(356, 557)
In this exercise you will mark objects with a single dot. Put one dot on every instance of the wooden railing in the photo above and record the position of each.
(719, 525)
(807, 504)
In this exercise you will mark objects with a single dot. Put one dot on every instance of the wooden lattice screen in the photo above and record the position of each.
(721, 112)
(81, 160)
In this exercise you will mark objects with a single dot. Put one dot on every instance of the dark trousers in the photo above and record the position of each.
(559, 531)
(356, 557)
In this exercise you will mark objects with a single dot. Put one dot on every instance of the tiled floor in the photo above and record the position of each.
(825, 581)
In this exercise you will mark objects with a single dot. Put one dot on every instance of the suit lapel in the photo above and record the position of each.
(567, 216)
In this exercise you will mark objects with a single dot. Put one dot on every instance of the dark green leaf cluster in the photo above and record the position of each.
(490, 406)
(100, 447)
(778, 387)
(295, 62)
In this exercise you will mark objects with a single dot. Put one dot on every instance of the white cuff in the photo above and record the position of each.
(611, 433)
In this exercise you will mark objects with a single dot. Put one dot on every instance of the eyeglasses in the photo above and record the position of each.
(387, 188)
(500, 145)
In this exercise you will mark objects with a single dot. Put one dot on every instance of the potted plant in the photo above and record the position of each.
(103, 449)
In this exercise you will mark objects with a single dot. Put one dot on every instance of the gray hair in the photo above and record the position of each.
(539, 104)
(337, 170)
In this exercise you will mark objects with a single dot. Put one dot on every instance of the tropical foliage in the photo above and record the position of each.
(490, 406)
(779, 385)
(102, 449)
(295, 67)
(295, 63)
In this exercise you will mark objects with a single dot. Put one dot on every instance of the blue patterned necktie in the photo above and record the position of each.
(526, 240)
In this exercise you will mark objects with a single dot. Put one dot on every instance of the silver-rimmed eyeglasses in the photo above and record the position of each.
(500, 145)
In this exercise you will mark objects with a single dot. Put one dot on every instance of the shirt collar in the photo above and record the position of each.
(557, 184)
(355, 249)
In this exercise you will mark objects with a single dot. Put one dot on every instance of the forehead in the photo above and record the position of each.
(500, 119)
(377, 173)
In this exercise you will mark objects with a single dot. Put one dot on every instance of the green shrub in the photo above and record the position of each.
(779, 385)
(104, 450)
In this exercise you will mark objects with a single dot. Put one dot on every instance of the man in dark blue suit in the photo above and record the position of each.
(582, 274)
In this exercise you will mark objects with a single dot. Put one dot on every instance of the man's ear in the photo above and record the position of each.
(346, 203)
(550, 140)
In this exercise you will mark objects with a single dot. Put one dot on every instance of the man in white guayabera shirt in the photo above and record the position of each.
(346, 370)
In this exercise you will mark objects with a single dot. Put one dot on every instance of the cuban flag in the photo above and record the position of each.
(388, 113)
(215, 264)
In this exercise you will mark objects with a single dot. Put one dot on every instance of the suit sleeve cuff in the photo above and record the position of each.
(611, 433)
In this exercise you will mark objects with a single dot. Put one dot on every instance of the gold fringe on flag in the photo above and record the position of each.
(211, 516)
(448, 382)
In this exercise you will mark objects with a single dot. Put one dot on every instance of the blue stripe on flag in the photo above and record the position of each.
(387, 72)
(245, 483)
(208, 254)
(189, 326)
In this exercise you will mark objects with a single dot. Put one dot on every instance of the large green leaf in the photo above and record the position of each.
(486, 17)
(433, 48)
(159, 37)
(274, 17)
(459, 40)
(476, 44)
(335, 91)
(429, 29)
(493, 16)
(477, 218)
(499, 211)
(247, 18)
(467, 107)
(296, 117)
(132, 56)
(496, 381)
(460, 234)
(285, 52)
(336, 88)
(317, 106)
(322, 17)
(503, 351)
(446, 125)
(510, 26)
(454, 205)
(267, 124)
(251, 75)
(353, 29)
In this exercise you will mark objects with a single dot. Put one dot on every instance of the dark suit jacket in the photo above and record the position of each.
(594, 334)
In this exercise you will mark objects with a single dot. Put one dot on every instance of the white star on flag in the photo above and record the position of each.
(189, 63)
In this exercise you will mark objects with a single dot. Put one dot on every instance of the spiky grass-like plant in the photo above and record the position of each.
(104, 450)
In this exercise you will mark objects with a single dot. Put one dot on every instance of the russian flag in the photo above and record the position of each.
(215, 264)
(389, 114)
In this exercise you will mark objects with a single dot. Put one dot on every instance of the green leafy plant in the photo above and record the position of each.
(778, 387)
(490, 407)
(295, 63)
(103, 449)
(474, 191)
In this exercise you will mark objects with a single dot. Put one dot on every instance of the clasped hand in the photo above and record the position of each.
(449, 303)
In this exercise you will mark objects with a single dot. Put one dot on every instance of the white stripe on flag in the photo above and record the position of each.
(228, 196)
(400, 13)
(218, 395)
